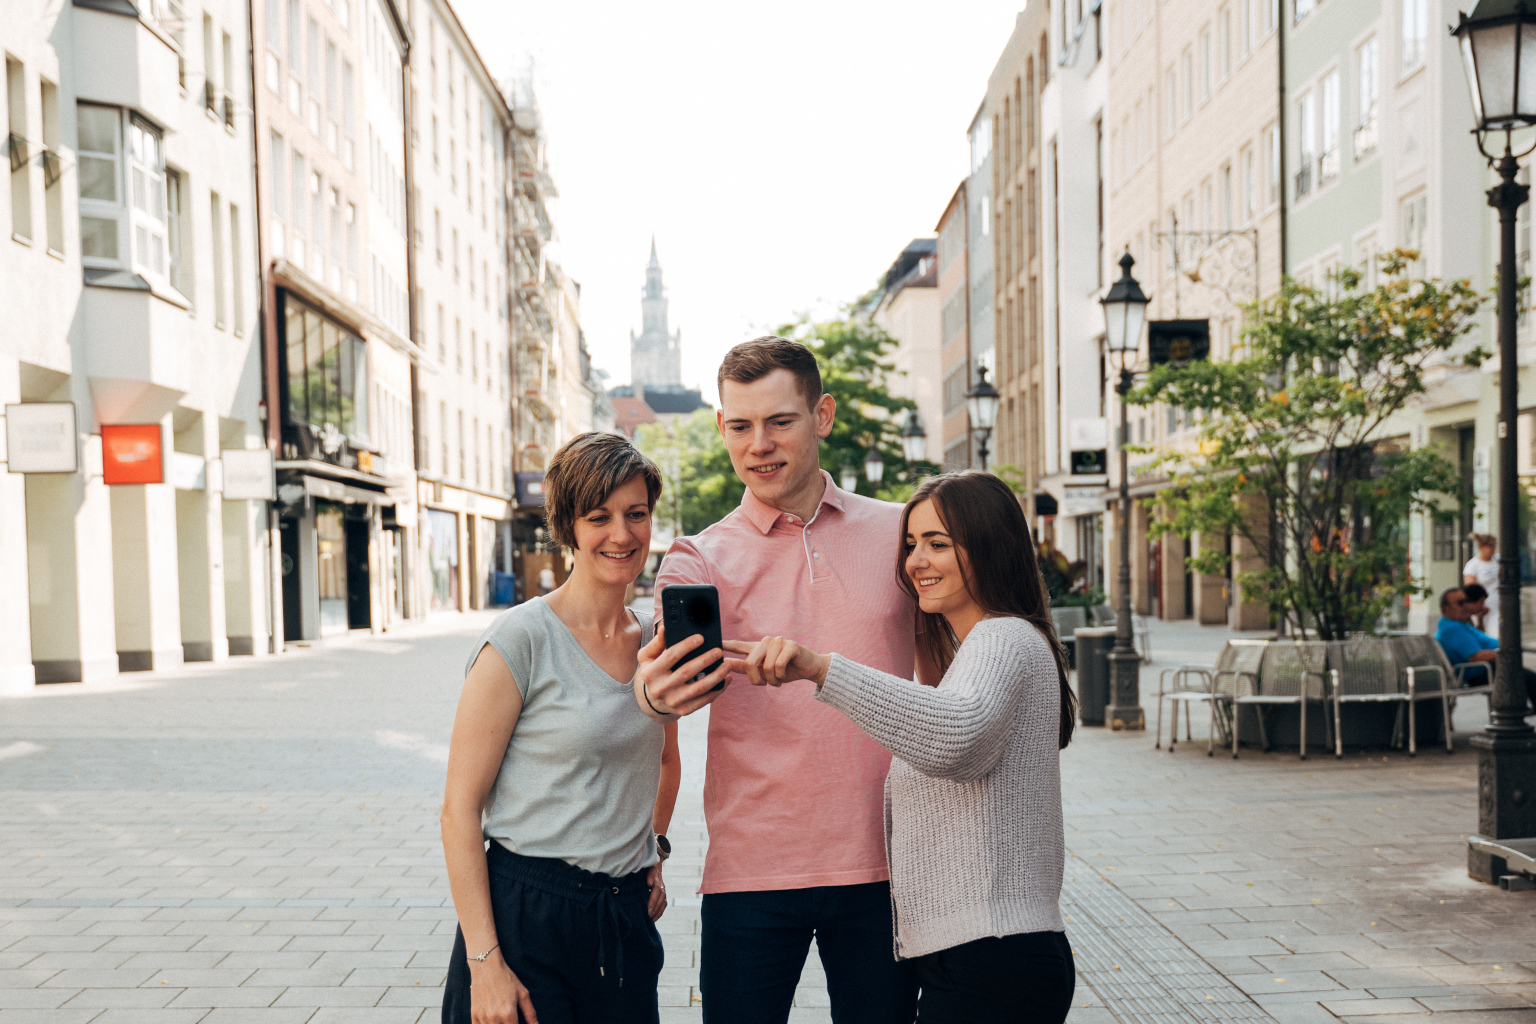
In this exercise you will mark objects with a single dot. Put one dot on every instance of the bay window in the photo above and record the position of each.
(130, 203)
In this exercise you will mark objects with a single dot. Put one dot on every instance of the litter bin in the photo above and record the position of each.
(1093, 646)
(503, 589)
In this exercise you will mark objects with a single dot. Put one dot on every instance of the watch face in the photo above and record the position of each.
(664, 845)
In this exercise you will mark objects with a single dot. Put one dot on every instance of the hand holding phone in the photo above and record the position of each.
(690, 609)
(679, 676)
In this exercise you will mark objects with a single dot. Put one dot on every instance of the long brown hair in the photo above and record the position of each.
(983, 519)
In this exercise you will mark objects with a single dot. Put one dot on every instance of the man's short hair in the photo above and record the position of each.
(1445, 596)
(585, 471)
(753, 360)
(1475, 592)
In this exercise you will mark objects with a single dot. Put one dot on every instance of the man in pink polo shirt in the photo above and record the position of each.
(793, 790)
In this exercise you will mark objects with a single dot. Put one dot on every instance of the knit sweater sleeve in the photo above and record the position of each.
(956, 731)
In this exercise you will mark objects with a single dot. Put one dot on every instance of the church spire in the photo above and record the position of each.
(654, 261)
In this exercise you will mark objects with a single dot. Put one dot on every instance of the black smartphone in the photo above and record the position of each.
(689, 608)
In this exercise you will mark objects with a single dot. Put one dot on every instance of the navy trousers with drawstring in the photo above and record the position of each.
(582, 944)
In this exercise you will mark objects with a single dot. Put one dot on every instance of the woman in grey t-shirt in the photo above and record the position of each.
(553, 763)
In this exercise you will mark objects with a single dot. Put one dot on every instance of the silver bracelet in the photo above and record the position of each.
(481, 958)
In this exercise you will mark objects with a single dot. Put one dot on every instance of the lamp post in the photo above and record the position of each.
(914, 439)
(874, 466)
(1125, 312)
(1495, 62)
(981, 402)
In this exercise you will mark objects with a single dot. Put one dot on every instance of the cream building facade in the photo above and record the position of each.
(459, 155)
(909, 311)
(129, 264)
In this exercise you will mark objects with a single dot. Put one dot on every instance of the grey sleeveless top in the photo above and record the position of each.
(579, 779)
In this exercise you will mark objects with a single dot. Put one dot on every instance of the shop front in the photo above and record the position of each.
(341, 560)
(466, 540)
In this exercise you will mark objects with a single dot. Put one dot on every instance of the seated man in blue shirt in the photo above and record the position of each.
(1464, 642)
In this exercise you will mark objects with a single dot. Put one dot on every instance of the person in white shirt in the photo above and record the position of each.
(1484, 570)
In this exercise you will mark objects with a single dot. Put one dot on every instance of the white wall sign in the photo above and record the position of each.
(249, 474)
(1082, 501)
(1086, 435)
(40, 438)
(187, 472)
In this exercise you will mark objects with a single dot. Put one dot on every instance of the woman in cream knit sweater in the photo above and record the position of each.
(973, 800)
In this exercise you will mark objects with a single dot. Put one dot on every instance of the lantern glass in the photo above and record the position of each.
(914, 447)
(981, 402)
(874, 466)
(1494, 53)
(848, 477)
(1125, 310)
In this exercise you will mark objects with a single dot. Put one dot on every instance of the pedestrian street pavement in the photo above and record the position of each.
(257, 841)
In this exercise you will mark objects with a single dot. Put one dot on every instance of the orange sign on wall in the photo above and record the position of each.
(131, 453)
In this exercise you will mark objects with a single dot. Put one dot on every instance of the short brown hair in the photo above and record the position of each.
(585, 471)
(753, 360)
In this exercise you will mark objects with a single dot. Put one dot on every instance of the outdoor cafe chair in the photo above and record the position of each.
(1104, 615)
(1293, 673)
(1214, 685)
(1364, 670)
(1423, 657)
(1067, 619)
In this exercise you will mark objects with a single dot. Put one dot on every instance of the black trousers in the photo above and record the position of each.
(1016, 979)
(581, 943)
(755, 943)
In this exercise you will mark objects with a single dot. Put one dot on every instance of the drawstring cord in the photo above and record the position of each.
(609, 914)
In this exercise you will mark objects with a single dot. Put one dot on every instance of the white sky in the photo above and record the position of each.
(782, 154)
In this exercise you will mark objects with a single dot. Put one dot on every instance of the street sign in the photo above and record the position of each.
(1082, 501)
(530, 489)
(1178, 341)
(1092, 463)
(1086, 435)
(40, 438)
(131, 453)
(249, 474)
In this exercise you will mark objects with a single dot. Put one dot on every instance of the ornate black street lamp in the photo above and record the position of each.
(1501, 75)
(981, 402)
(914, 439)
(874, 466)
(1125, 313)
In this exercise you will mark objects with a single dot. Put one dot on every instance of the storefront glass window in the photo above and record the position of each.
(443, 558)
(327, 372)
(331, 543)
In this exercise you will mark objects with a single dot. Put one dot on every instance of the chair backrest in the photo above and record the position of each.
(1238, 666)
(1068, 619)
(1288, 665)
(1366, 665)
(1103, 615)
(1417, 650)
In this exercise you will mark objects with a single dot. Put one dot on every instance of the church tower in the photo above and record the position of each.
(655, 354)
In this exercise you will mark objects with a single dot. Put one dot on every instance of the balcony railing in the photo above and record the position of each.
(1365, 139)
(1328, 166)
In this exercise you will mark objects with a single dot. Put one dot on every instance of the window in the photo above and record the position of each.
(146, 162)
(17, 147)
(1415, 33)
(327, 372)
(1272, 164)
(437, 234)
(332, 99)
(53, 168)
(274, 41)
(295, 57)
(1207, 64)
(1306, 145)
(1189, 84)
(316, 83)
(348, 121)
(1207, 206)
(1250, 187)
(1303, 8)
(1368, 85)
(453, 162)
(437, 160)
(338, 237)
(178, 232)
(1245, 25)
(300, 208)
(317, 224)
(210, 75)
(1171, 88)
(236, 285)
(1414, 218)
(134, 201)
(442, 337)
(1224, 43)
(1328, 160)
(216, 219)
(1226, 197)
(462, 475)
(474, 357)
(458, 345)
(442, 413)
(277, 175)
(455, 237)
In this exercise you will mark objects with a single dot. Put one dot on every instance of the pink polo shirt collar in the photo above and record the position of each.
(763, 515)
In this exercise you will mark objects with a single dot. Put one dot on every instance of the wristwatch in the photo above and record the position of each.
(664, 845)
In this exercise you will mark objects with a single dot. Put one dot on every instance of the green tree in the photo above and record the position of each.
(1293, 442)
(700, 488)
(852, 353)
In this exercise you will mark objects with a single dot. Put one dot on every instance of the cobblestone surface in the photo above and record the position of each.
(257, 841)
